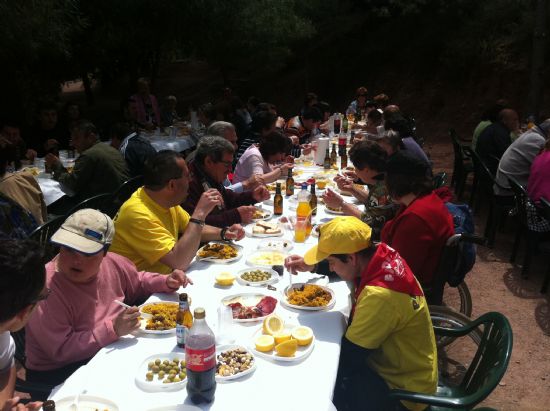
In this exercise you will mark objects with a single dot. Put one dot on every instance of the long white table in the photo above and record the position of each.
(301, 385)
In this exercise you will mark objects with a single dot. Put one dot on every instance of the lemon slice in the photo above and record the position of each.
(265, 343)
(302, 334)
(281, 337)
(225, 278)
(273, 324)
(287, 348)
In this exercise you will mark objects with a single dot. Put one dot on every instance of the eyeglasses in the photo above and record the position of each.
(226, 163)
(41, 296)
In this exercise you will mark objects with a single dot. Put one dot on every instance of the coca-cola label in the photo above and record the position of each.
(200, 360)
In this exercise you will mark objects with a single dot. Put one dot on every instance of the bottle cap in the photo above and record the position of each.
(199, 313)
(183, 297)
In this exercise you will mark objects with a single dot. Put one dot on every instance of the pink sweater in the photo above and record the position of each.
(76, 320)
(538, 184)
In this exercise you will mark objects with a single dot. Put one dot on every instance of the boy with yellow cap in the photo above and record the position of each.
(389, 343)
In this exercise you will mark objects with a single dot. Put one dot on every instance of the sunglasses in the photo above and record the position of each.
(41, 296)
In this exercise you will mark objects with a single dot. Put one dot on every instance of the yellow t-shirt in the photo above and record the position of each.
(146, 231)
(399, 329)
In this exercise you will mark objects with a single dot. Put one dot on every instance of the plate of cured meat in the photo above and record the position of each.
(250, 307)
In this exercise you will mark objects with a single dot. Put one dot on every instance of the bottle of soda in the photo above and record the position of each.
(200, 359)
(184, 320)
(313, 199)
(337, 123)
(278, 201)
(302, 228)
(289, 183)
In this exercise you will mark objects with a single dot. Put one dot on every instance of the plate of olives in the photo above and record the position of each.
(257, 276)
(162, 372)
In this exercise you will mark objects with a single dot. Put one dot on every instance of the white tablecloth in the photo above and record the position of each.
(302, 385)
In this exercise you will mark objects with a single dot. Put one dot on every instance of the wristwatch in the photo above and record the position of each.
(197, 221)
(222, 234)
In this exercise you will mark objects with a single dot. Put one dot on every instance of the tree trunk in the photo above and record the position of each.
(536, 83)
(88, 89)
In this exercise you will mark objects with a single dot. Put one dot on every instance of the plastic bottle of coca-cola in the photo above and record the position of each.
(200, 358)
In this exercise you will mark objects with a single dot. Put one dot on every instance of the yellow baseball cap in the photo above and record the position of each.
(342, 235)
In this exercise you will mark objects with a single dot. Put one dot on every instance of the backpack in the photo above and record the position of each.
(463, 222)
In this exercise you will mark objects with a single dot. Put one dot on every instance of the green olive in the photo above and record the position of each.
(166, 381)
(182, 375)
(176, 379)
(157, 361)
(161, 375)
(149, 376)
(166, 362)
(155, 368)
(150, 365)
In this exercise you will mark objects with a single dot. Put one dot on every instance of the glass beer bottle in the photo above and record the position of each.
(289, 183)
(184, 320)
(278, 201)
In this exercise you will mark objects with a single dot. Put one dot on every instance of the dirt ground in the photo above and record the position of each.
(497, 285)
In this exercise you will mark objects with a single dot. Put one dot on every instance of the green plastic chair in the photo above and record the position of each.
(484, 373)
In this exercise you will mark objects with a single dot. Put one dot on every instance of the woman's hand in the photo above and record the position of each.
(332, 199)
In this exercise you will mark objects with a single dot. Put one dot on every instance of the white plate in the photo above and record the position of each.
(275, 245)
(263, 258)
(86, 403)
(223, 348)
(329, 211)
(221, 260)
(156, 384)
(301, 353)
(145, 316)
(301, 307)
(267, 214)
(273, 279)
(247, 300)
(249, 232)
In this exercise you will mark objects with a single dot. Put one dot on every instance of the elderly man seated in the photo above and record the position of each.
(80, 315)
(153, 231)
(212, 163)
(99, 169)
(389, 343)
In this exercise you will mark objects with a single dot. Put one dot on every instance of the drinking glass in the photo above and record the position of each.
(225, 325)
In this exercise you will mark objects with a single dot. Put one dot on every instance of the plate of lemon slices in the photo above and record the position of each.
(278, 341)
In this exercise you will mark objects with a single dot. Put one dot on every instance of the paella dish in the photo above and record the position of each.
(309, 295)
(218, 251)
(162, 316)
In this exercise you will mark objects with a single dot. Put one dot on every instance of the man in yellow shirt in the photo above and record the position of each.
(390, 341)
(153, 231)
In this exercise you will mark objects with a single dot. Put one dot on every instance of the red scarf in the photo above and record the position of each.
(388, 270)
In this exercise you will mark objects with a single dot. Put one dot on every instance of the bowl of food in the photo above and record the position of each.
(219, 252)
(225, 279)
(162, 372)
(257, 276)
(309, 297)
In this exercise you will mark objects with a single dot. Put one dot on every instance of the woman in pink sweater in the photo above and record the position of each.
(80, 316)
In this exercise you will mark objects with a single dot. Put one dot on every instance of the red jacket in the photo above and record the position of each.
(419, 232)
(217, 218)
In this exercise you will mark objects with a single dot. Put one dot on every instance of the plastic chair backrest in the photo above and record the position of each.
(457, 148)
(520, 195)
(486, 178)
(440, 179)
(123, 193)
(43, 234)
(491, 359)
(545, 205)
(100, 202)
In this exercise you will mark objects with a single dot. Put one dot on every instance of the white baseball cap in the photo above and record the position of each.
(87, 231)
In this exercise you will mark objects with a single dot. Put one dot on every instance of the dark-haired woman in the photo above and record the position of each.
(265, 159)
(422, 225)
